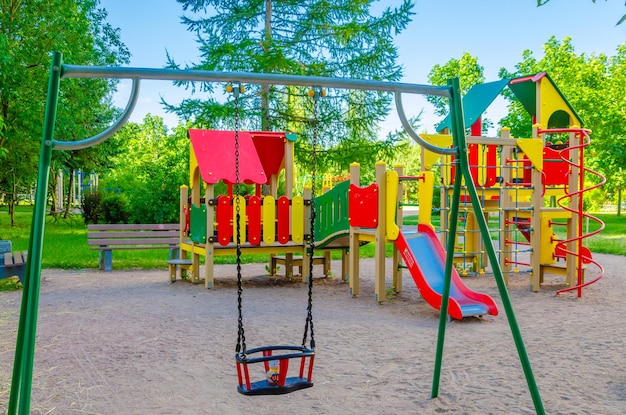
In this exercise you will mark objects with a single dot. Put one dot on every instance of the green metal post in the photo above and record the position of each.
(22, 380)
(458, 132)
(445, 297)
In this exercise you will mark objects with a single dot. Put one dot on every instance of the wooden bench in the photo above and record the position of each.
(109, 237)
(12, 264)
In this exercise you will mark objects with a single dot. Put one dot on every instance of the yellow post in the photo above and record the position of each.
(381, 232)
(425, 189)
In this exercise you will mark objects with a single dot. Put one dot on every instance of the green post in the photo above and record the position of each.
(458, 134)
(22, 380)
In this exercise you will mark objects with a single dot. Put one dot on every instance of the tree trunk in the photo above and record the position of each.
(265, 89)
(52, 190)
(619, 202)
(68, 205)
(12, 199)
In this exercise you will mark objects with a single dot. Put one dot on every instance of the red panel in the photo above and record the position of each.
(492, 152)
(224, 218)
(555, 169)
(283, 219)
(363, 206)
(215, 152)
(271, 150)
(473, 162)
(254, 220)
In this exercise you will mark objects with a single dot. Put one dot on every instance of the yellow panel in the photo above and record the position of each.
(243, 219)
(297, 219)
(533, 148)
(425, 197)
(446, 171)
(552, 101)
(391, 208)
(482, 163)
(269, 219)
(439, 140)
(193, 165)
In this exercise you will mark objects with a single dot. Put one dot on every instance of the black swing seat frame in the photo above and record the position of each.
(284, 384)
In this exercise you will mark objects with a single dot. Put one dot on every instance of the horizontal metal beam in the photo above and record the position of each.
(76, 71)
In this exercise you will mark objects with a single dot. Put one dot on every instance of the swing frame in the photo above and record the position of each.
(22, 376)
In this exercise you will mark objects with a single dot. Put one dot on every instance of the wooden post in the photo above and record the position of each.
(353, 259)
(209, 253)
(535, 224)
(397, 258)
(507, 206)
(184, 207)
(571, 261)
(307, 225)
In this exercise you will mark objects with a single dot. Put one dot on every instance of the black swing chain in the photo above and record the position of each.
(241, 337)
(309, 318)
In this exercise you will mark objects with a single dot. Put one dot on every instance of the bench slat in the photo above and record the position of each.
(136, 241)
(135, 226)
(136, 234)
(8, 259)
(17, 259)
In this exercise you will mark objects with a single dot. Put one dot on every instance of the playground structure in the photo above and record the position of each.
(268, 224)
(21, 383)
(374, 214)
(527, 187)
(348, 216)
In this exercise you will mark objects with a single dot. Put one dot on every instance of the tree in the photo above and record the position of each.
(620, 21)
(593, 85)
(29, 32)
(340, 38)
(150, 169)
(466, 69)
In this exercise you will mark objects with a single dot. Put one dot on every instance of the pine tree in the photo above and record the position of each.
(331, 38)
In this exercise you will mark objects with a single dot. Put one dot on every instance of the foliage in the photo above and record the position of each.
(593, 85)
(619, 22)
(466, 69)
(114, 208)
(28, 32)
(340, 39)
(150, 169)
(91, 207)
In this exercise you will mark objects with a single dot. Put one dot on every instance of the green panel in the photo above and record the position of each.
(198, 224)
(332, 212)
(526, 93)
(476, 102)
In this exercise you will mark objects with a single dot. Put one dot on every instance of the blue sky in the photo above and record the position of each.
(494, 31)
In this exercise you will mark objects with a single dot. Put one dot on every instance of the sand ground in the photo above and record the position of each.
(130, 342)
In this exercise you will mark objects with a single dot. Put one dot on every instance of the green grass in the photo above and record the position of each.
(612, 239)
(65, 242)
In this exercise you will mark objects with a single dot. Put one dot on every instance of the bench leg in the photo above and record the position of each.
(172, 270)
(106, 260)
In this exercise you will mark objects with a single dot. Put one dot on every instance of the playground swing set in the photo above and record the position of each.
(460, 191)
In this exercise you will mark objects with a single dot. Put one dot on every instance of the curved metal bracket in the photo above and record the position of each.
(409, 129)
(98, 138)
